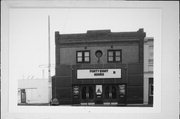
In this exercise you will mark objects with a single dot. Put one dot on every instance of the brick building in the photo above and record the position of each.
(99, 67)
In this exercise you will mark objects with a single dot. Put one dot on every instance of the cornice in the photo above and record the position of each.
(99, 36)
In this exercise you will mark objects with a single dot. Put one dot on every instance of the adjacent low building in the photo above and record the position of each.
(33, 91)
(148, 70)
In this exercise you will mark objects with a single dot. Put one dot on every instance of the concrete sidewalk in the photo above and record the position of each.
(34, 104)
(95, 105)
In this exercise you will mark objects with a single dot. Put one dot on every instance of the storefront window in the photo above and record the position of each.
(76, 90)
(122, 89)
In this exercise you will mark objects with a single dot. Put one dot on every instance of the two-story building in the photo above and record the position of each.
(99, 67)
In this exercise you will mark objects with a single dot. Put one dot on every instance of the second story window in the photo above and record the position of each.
(114, 56)
(83, 56)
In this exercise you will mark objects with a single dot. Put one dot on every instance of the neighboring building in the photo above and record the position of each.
(33, 91)
(148, 70)
(99, 67)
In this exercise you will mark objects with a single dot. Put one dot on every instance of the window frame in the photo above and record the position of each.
(83, 56)
(114, 56)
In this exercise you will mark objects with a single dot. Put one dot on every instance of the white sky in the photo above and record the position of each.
(29, 32)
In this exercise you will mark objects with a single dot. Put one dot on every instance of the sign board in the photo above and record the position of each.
(98, 73)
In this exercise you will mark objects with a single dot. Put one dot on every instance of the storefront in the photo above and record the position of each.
(101, 92)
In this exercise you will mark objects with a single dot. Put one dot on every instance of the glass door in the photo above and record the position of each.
(87, 93)
(110, 93)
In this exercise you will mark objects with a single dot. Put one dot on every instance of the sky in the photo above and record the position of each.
(28, 52)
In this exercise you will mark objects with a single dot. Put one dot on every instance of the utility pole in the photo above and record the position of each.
(49, 60)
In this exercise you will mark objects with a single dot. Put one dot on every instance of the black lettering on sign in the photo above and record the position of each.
(98, 70)
(94, 70)
(99, 74)
(104, 70)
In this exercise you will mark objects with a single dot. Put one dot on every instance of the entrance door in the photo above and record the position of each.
(87, 93)
(23, 96)
(110, 93)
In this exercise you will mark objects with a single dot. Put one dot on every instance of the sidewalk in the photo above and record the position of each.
(34, 104)
(95, 105)
(128, 105)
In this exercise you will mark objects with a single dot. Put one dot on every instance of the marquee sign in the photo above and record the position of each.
(98, 73)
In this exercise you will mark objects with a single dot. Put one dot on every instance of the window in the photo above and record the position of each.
(98, 53)
(150, 61)
(151, 87)
(83, 56)
(122, 89)
(76, 90)
(114, 56)
(151, 90)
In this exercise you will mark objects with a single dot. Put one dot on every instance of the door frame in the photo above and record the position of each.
(110, 99)
(87, 100)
